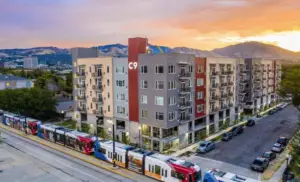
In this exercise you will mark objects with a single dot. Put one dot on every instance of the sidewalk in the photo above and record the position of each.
(195, 145)
(86, 158)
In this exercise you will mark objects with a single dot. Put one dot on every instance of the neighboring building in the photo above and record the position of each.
(264, 76)
(30, 63)
(13, 82)
(10, 64)
(166, 105)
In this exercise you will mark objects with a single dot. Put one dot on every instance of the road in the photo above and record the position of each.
(236, 155)
(22, 160)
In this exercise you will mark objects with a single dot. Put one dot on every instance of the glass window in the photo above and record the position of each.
(157, 169)
(159, 85)
(171, 85)
(107, 69)
(159, 100)
(108, 95)
(166, 174)
(200, 68)
(144, 69)
(172, 116)
(159, 116)
(107, 81)
(144, 114)
(144, 84)
(143, 99)
(200, 108)
(172, 100)
(199, 81)
(120, 69)
(200, 95)
(159, 69)
(108, 108)
(171, 69)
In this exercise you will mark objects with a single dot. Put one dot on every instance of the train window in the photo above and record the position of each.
(102, 150)
(149, 168)
(157, 169)
(190, 178)
(152, 169)
(108, 154)
(166, 173)
(162, 172)
(121, 158)
(177, 175)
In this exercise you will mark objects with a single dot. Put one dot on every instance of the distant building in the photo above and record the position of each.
(10, 64)
(31, 62)
(13, 82)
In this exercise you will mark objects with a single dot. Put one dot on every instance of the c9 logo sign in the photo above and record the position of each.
(132, 65)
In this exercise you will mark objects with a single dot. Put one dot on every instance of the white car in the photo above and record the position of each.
(277, 147)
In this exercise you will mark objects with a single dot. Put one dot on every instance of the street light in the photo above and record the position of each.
(63, 116)
(114, 148)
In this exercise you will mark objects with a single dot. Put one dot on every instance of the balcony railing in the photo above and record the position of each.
(97, 99)
(215, 97)
(224, 84)
(97, 75)
(184, 105)
(184, 119)
(230, 105)
(229, 72)
(224, 96)
(215, 109)
(80, 85)
(97, 112)
(215, 85)
(230, 94)
(230, 83)
(80, 74)
(97, 87)
(213, 73)
(183, 75)
(224, 106)
(81, 97)
(185, 90)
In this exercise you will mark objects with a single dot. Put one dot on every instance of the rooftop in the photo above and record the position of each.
(10, 78)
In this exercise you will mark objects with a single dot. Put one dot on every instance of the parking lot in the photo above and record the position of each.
(237, 154)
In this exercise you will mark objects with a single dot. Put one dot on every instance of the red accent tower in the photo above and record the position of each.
(136, 46)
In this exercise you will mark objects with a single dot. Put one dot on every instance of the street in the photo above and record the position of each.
(22, 160)
(236, 155)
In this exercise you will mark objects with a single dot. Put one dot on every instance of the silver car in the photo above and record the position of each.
(206, 146)
(277, 147)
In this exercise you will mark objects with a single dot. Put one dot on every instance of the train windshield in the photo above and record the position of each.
(198, 176)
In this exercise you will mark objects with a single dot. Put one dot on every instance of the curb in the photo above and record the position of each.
(72, 155)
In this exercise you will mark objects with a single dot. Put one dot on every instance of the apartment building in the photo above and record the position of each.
(263, 78)
(30, 63)
(220, 97)
(166, 105)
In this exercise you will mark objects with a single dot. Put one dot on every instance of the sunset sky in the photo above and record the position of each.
(202, 24)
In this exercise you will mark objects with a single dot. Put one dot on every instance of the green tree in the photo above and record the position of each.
(295, 151)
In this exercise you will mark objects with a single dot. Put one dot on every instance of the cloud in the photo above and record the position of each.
(192, 23)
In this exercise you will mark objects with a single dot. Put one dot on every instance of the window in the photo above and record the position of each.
(172, 116)
(190, 69)
(107, 69)
(108, 108)
(199, 81)
(159, 100)
(157, 169)
(171, 69)
(144, 84)
(166, 174)
(159, 69)
(144, 69)
(171, 85)
(121, 97)
(190, 110)
(177, 175)
(120, 110)
(144, 114)
(90, 69)
(91, 106)
(159, 116)
(172, 100)
(149, 168)
(200, 68)
(107, 81)
(159, 85)
(91, 93)
(143, 99)
(108, 95)
(120, 69)
(200, 95)
(90, 81)
(200, 108)
(120, 83)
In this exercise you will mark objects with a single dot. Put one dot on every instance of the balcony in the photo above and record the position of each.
(184, 119)
(213, 73)
(229, 72)
(96, 75)
(224, 84)
(230, 83)
(214, 97)
(224, 106)
(97, 87)
(184, 105)
(81, 97)
(184, 63)
(100, 122)
(80, 85)
(214, 86)
(224, 96)
(184, 75)
(230, 94)
(257, 79)
(230, 105)
(98, 112)
(80, 74)
(185, 90)
(214, 109)
(97, 99)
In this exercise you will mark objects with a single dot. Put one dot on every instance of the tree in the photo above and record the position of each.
(290, 85)
(294, 152)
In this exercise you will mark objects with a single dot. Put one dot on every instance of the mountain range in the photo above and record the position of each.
(51, 55)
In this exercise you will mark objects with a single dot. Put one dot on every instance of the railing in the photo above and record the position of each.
(215, 109)
(97, 87)
(184, 74)
(80, 74)
(186, 118)
(230, 94)
(224, 106)
(223, 96)
(215, 97)
(97, 99)
(224, 84)
(80, 85)
(185, 104)
(231, 83)
(97, 112)
(213, 73)
(230, 104)
(214, 85)
(186, 89)
(81, 97)
(229, 72)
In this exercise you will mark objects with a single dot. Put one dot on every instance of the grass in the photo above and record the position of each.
(69, 124)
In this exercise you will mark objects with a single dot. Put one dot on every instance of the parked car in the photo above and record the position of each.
(277, 147)
(269, 155)
(271, 112)
(259, 164)
(206, 146)
(227, 136)
(237, 130)
(283, 141)
(259, 116)
(250, 123)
